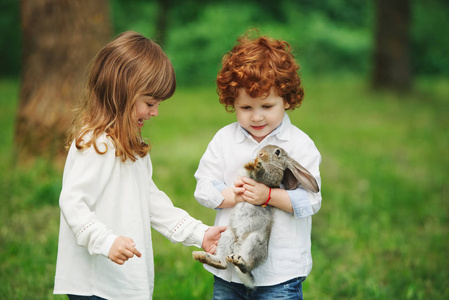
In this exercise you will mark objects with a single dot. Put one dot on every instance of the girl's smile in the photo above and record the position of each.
(140, 122)
(146, 107)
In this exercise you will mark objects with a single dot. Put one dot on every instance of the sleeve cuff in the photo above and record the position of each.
(208, 195)
(197, 237)
(300, 203)
(106, 247)
(220, 186)
(190, 232)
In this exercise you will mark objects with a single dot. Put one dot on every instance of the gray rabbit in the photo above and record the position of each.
(245, 241)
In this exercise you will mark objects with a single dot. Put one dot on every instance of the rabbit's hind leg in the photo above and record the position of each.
(224, 246)
(251, 253)
(209, 259)
(239, 262)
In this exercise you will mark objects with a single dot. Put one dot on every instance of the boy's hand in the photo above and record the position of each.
(254, 192)
(211, 237)
(123, 249)
(238, 190)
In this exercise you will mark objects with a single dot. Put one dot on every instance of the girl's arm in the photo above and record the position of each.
(176, 224)
(85, 175)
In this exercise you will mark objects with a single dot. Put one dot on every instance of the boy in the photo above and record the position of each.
(259, 81)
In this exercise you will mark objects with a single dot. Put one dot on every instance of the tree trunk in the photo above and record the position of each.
(164, 7)
(60, 38)
(392, 68)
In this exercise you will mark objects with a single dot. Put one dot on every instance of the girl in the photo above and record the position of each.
(108, 199)
(259, 81)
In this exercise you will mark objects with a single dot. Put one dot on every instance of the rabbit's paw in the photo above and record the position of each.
(209, 259)
(239, 262)
(249, 166)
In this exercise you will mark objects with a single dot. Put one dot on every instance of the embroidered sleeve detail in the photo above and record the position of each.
(177, 227)
(85, 228)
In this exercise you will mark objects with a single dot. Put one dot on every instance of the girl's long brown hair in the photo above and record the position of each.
(126, 68)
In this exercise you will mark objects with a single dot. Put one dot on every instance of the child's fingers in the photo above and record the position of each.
(245, 179)
(212, 249)
(123, 249)
(238, 190)
(127, 254)
(222, 228)
(120, 260)
(249, 181)
(137, 252)
(134, 250)
(238, 182)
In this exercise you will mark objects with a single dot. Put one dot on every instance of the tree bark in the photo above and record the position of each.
(60, 38)
(392, 67)
(164, 7)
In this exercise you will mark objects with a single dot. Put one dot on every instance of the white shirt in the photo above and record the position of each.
(102, 198)
(289, 253)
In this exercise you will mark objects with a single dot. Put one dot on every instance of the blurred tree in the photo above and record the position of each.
(392, 67)
(59, 38)
(164, 7)
(10, 37)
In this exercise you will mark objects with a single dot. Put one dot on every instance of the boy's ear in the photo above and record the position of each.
(286, 105)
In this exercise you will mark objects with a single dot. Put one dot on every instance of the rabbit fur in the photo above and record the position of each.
(245, 241)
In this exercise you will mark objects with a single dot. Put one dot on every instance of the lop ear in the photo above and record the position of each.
(296, 175)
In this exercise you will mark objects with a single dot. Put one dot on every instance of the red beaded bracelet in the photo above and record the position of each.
(269, 197)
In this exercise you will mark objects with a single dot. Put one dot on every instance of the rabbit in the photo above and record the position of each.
(245, 241)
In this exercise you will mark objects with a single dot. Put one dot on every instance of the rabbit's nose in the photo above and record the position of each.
(263, 156)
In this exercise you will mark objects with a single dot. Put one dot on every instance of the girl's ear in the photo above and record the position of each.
(286, 105)
(296, 175)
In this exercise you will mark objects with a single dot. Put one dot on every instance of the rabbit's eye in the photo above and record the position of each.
(277, 152)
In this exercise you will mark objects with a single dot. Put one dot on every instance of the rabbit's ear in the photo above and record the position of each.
(296, 175)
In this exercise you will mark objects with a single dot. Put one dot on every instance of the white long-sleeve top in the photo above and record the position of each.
(289, 253)
(103, 198)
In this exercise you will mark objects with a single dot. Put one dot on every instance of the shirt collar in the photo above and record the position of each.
(281, 132)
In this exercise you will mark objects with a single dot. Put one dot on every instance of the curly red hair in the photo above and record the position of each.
(257, 65)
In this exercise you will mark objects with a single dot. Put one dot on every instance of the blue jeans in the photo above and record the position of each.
(224, 290)
(76, 297)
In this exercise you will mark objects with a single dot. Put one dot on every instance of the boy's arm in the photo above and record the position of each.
(230, 199)
(298, 201)
(210, 177)
(258, 193)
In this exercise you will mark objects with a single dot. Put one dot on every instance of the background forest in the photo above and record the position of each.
(382, 232)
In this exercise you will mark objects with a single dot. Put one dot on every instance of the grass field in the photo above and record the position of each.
(382, 231)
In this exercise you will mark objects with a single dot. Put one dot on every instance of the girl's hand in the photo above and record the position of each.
(211, 237)
(123, 249)
(255, 193)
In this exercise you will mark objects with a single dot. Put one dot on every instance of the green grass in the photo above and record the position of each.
(382, 231)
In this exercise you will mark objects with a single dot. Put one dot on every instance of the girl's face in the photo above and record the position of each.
(259, 116)
(146, 107)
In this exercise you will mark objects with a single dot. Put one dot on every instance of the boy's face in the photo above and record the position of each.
(259, 116)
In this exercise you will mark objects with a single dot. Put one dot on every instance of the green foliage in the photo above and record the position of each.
(10, 46)
(428, 35)
(328, 35)
(138, 15)
(381, 232)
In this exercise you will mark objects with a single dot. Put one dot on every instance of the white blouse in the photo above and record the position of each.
(289, 253)
(102, 198)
